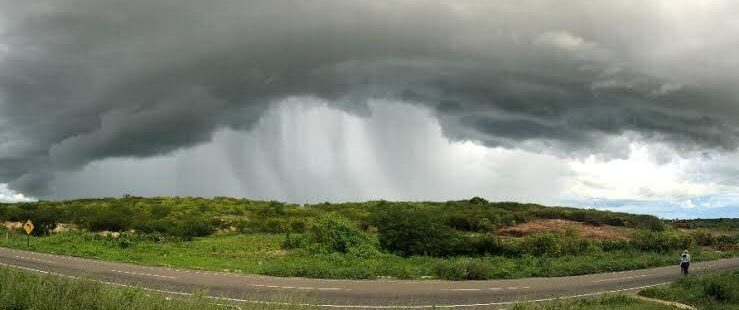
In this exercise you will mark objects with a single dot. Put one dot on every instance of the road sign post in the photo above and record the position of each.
(28, 227)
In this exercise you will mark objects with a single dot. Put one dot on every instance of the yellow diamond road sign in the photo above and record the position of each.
(28, 227)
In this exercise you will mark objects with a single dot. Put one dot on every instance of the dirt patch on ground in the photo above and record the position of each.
(603, 232)
(13, 225)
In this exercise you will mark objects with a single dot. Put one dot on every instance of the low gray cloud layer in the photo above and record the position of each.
(86, 80)
(304, 151)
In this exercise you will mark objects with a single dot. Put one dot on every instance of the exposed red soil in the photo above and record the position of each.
(603, 232)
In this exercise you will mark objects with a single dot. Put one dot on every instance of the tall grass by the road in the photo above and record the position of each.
(22, 290)
(706, 291)
(608, 302)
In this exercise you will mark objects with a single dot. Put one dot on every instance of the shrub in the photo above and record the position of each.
(484, 225)
(125, 241)
(101, 217)
(732, 240)
(407, 232)
(647, 240)
(720, 289)
(462, 269)
(364, 251)
(335, 234)
(485, 245)
(189, 226)
(541, 244)
(297, 226)
(272, 225)
(294, 241)
(704, 238)
(648, 222)
(478, 201)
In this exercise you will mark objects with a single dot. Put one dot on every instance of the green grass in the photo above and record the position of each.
(21, 290)
(262, 254)
(708, 291)
(608, 302)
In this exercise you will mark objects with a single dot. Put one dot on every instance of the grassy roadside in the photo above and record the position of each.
(706, 291)
(262, 254)
(21, 290)
(607, 302)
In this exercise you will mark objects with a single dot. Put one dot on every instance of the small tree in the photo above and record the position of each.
(335, 234)
(408, 232)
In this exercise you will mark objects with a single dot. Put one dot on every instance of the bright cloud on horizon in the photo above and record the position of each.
(10, 196)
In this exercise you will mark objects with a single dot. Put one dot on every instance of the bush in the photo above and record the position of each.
(720, 289)
(648, 222)
(125, 241)
(297, 226)
(364, 251)
(731, 240)
(407, 232)
(541, 244)
(294, 241)
(478, 201)
(189, 226)
(647, 240)
(336, 234)
(485, 245)
(463, 269)
(704, 238)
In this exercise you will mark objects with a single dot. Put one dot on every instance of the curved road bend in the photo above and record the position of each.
(351, 293)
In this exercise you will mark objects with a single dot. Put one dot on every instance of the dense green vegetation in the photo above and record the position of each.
(452, 240)
(706, 291)
(716, 224)
(608, 302)
(193, 217)
(20, 290)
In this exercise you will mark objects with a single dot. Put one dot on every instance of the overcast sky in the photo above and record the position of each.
(623, 105)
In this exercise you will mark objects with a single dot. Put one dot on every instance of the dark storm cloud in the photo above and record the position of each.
(85, 80)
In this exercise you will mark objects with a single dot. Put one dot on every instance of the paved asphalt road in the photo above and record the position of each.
(236, 288)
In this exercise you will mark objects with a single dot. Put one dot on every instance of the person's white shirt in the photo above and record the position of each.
(685, 258)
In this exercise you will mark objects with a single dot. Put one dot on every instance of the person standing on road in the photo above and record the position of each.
(685, 262)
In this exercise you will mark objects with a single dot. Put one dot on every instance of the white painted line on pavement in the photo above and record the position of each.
(144, 274)
(36, 259)
(624, 278)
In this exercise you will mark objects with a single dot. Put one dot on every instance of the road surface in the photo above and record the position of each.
(238, 288)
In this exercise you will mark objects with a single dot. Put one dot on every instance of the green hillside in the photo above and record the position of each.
(471, 239)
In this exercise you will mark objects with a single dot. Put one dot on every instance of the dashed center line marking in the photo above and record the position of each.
(623, 278)
(144, 274)
(302, 287)
(34, 259)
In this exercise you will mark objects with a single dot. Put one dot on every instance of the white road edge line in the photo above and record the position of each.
(344, 306)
